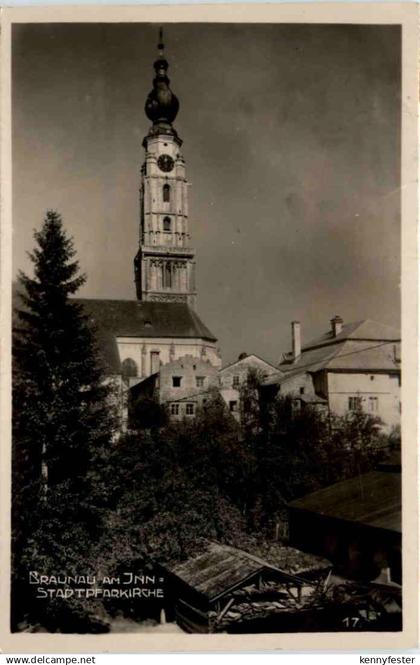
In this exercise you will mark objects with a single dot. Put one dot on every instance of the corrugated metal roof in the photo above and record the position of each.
(373, 499)
(133, 318)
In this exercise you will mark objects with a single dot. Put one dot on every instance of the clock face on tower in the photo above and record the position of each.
(165, 163)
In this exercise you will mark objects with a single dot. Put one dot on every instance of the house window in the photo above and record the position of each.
(235, 381)
(128, 368)
(167, 224)
(233, 406)
(354, 403)
(176, 381)
(199, 380)
(166, 193)
(189, 409)
(301, 391)
(174, 409)
(373, 404)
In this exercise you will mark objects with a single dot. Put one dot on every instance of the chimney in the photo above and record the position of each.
(336, 325)
(296, 340)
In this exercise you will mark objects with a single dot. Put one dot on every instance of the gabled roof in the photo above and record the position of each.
(362, 346)
(219, 569)
(248, 357)
(214, 572)
(133, 318)
(373, 499)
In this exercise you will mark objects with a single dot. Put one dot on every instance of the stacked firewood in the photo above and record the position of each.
(270, 598)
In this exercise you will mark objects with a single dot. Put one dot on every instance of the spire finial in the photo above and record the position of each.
(161, 45)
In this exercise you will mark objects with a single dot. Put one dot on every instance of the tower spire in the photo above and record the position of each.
(161, 104)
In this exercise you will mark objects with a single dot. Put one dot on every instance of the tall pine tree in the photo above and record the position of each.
(62, 416)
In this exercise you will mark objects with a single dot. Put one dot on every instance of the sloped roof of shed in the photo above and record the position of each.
(373, 499)
(220, 568)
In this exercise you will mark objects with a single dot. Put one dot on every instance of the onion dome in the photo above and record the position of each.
(161, 104)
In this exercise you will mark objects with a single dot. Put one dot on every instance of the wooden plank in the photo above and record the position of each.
(225, 609)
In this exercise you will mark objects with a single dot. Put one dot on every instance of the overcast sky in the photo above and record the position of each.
(292, 145)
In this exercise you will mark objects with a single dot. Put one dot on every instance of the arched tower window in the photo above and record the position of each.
(167, 275)
(129, 368)
(166, 193)
(167, 224)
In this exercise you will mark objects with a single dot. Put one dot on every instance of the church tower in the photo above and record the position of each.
(164, 266)
(160, 328)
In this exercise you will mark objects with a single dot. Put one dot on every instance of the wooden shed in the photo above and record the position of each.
(356, 523)
(223, 584)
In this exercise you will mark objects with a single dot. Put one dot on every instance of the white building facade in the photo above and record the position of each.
(350, 367)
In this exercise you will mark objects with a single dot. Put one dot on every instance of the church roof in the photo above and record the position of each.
(133, 318)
